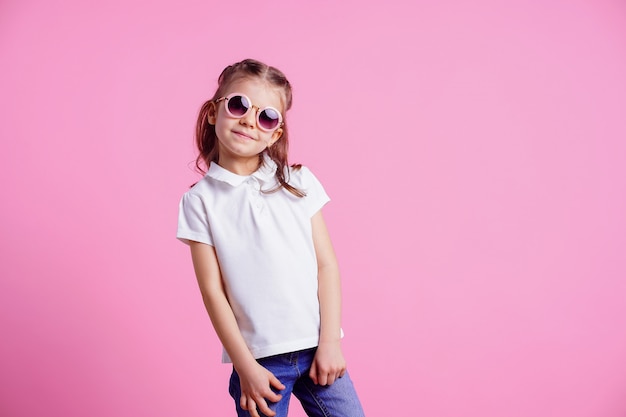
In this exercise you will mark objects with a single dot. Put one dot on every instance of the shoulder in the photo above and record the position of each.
(202, 187)
(301, 176)
(315, 195)
(199, 192)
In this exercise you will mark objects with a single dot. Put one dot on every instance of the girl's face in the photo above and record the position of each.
(240, 139)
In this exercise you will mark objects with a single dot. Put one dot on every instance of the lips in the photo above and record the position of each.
(243, 135)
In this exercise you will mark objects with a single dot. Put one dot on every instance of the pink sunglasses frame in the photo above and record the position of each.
(258, 111)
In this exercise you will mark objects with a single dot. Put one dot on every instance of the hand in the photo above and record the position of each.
(256, 383)
(328, 364)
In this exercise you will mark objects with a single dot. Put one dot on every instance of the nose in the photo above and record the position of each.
(249, 119)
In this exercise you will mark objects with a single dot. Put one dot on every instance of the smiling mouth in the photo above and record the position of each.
(243, 135)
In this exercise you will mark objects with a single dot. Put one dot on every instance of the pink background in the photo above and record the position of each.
(475, 154)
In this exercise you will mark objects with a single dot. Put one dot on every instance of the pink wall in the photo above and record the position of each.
(476, 160)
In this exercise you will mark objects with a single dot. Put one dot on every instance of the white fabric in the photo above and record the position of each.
(265, 249)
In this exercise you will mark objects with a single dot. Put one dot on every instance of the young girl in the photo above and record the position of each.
(261, 252)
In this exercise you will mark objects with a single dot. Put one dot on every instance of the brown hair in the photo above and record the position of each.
(206, 138)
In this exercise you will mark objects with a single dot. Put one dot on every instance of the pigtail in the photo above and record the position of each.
(206, 140)
(278, 153)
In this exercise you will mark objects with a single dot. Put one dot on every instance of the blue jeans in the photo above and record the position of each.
(292, 369)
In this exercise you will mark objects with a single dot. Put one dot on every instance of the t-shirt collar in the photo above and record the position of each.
(266, 172)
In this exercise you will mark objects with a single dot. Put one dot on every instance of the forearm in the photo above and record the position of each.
(329, 285)
(227, 330)
(329, 363)
(329, 294)
(256, 382)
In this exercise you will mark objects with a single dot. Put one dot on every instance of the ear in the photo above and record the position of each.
(277, 134)
(211, 113)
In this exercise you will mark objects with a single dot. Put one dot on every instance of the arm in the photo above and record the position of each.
(329, 363)
(255, 380)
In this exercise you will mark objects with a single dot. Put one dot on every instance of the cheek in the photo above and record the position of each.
(221, 122)
(268, 138)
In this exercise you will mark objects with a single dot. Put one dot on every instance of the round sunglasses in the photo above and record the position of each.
(238, 105)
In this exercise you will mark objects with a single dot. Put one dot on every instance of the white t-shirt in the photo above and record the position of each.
(264, 245)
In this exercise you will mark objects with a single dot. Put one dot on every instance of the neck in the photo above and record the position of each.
(241, 166)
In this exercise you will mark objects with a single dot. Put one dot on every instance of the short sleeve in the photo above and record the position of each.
(193, 223)
(316, 196)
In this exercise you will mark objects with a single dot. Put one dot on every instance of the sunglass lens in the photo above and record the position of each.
(269, 118)
(238, 105)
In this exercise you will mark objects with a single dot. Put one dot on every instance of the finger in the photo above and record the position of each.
(313, 373)
(323, 379)
(275, 382)
(331, 379)
(251, 407)
(272, 396)
(263, 407)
